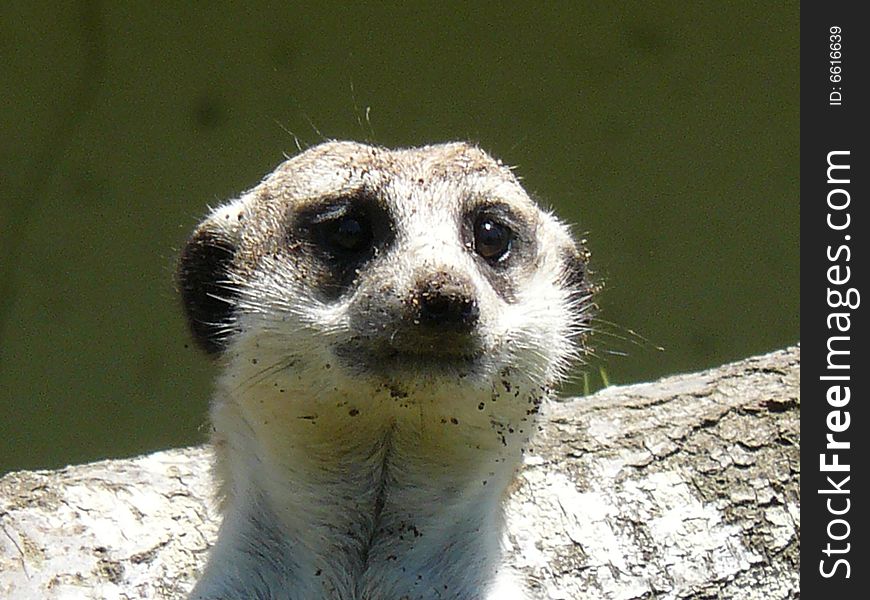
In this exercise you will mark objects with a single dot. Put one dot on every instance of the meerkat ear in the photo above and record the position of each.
(576, 276)
(203, 280)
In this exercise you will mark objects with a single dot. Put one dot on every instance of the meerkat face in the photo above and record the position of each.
(353, 266)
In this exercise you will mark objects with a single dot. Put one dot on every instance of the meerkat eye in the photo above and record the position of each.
(351, 234)
(492, 240)
(348, 234)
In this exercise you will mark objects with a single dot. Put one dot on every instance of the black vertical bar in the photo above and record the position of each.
(835, 421)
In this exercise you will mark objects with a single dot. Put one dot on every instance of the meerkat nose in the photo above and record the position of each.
(445, 302)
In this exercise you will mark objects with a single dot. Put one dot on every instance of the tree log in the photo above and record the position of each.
(683, 488)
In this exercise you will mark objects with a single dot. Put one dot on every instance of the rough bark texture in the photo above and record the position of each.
(683, 488)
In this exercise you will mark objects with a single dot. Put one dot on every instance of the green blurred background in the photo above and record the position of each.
(666, 131)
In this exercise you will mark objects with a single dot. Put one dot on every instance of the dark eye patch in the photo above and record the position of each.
(497, 234)
(503, 241)
(344, 234)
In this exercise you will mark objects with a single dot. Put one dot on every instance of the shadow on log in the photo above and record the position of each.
(683, 488)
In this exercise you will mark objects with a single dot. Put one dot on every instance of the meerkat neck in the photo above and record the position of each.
(391, 516)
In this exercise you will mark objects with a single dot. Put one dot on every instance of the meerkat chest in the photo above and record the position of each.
(392, 523)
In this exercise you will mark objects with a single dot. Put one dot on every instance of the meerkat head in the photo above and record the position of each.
(353, 266)
(388, 323)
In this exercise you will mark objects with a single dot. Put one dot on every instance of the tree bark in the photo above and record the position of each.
(683, 488)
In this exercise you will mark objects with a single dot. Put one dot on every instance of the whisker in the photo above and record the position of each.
(261, 375)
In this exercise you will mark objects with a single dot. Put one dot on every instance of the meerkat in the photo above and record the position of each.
(387, 324)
